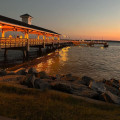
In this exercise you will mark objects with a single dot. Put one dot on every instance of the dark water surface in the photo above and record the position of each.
(96, 62)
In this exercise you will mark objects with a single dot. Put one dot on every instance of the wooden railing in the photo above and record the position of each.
(22, 42)
(33, 42)
(14, 42)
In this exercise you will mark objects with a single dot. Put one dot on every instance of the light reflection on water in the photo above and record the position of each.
(55, 62)
(95, 62)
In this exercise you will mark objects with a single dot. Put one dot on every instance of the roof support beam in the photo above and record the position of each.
(3, 33)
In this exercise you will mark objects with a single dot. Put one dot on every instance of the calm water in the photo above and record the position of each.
(96, 62)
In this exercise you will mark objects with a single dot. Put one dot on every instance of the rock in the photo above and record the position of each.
(105, 97)
(32, 71)
(3, 73)
(41, 84)
(64, 87)
(113, 90)
(108, 82)
(42, 75)
(103, 81)
(80, 90)
(30, 81)
(85, 80)
(11, 73)
(48, 80)
(69, 77)
(115, 83)
(21, 72)
(12, 78)
(52, 77)
(58, 77)
(109, 97)
(85, 91)
(97, 86)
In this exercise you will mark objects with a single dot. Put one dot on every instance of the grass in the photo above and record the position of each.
(31, 104)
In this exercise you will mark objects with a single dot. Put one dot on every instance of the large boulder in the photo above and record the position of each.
(32, 71)
(12, 78)
(69, 77)
(80, 90)
(41, 84)
(113, 90)
(29, 81)
(113, 83)
(105, 97)
(21, 72)
(64, 87)
(52, 77)
(42, 75)
(85, 80)
(109, 97)
(85, 91)
(97, 86)
(58, 77)
(11, 73)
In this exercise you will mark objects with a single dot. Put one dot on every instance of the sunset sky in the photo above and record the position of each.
(78, 19)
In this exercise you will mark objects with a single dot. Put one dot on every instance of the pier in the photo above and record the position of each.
(25, 44)
(91, 43)
(45, 38)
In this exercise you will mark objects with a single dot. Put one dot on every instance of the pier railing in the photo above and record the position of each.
(22, 42)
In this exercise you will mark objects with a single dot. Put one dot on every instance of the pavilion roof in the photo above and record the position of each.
(19, 23)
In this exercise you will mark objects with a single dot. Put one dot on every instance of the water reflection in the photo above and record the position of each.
(102, 47)
(64, 54)
(95, 62)
(54, 61)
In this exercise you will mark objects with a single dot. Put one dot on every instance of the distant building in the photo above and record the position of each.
(26, 18)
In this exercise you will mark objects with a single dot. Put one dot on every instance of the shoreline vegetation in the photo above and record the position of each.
(26, 94)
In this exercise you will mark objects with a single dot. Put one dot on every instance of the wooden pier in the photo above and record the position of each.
(91, 43)
(25, 44)
(44, 38)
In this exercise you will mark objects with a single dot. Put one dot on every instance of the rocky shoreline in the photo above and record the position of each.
(105, 90)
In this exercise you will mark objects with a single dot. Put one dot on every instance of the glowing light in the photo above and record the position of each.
(102, 47)
(0, 26)
(64, 54)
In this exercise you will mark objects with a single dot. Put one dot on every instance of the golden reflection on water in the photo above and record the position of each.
(101, 47)
(55, 61)
(64, 54)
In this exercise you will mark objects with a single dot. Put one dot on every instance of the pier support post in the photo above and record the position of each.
(40, 50)
(58, 41)
(27, 37)
(43, 41)
(53, 41)
(5, 53)
(24, 54)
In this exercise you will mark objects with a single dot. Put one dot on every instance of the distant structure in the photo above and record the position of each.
(26, 18)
